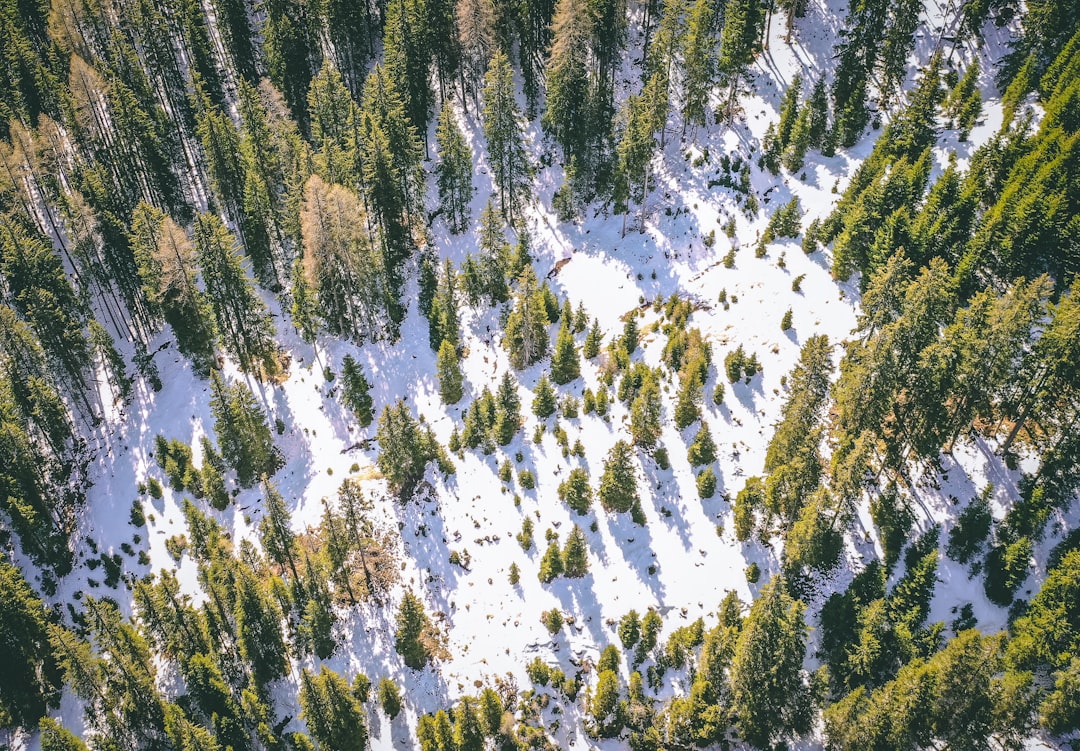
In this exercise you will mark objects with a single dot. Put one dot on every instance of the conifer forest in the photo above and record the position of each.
(481, 375)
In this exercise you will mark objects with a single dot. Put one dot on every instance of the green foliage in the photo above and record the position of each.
(543, 404)
(972, 528)
(405, 449)
(737, 365)
(575, 491)
(355, 391)
(449, 373)
(243, 435)
(618, 485)
(334, 716)
(770, 694)
(31, 678)
(389, 698)
(629, 629)
(551, 565)
(412, 637)
(706, 483)
(575, 555)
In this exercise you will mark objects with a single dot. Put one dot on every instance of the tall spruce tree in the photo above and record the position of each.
(453, 174)
(242, 319)
(510, 169)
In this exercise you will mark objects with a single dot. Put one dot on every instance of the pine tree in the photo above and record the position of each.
(551, 564)
(333, 716)
(258, 629)
(242, 433)
(410, 636)
(564, 360)
(526, 336)
(575, 555)
(703, 449)
(404, 449)
(575, 491)
(687, 404)
(770, 697)
(699, 67)
(355, 391)
(645, 416)
(242, 320)
(507, 410)
(31, 679)
(342, 266)
(593, 339)
(494, 259)
(476, 35)
(449, 373)
(502, 129)
(618, 485)
(453, 174)
(407, 57)
(543, 404)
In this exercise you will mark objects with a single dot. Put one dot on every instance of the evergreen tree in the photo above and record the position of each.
(770, 697)
(703, 449)
(404, 449)
(593, 340)
(29, 684)
(699, 67)
(243, 435)
(645, 417)
(502, 129)
(355, 391)
(242, 320)
(407, 57)
(575, 492)
(453, 174)
(507, 410)
(564, 360)
(449, 372)
(165, 258)
(575, 554)
(333, 716)
(618, 485)
(543, 404)
(342, 266)
(258, 630)
(410, 637)
(551, 564)
(526, 335)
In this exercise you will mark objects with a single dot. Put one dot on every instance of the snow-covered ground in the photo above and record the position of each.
(686, 558)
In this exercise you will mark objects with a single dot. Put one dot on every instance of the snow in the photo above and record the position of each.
(686, 558)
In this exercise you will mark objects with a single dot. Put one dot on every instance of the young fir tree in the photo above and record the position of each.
(410, 638)
(564, 360)
(770, 697)
(703, 449)
(355, 391)
(453, 174)
(334, 717)
(444, 320)
(699, 63)
(618, 484)
(575, 554)
(405, 449)
(551, 564)
(258, 630)
(166, 264)
(449, 372)
(242, 432)
(32, 677)
(593, 340)
(507, 410)
(243, 322)
(544, 403)
(494, 260)
(526, 335)
(502, 129)
(575, 492)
